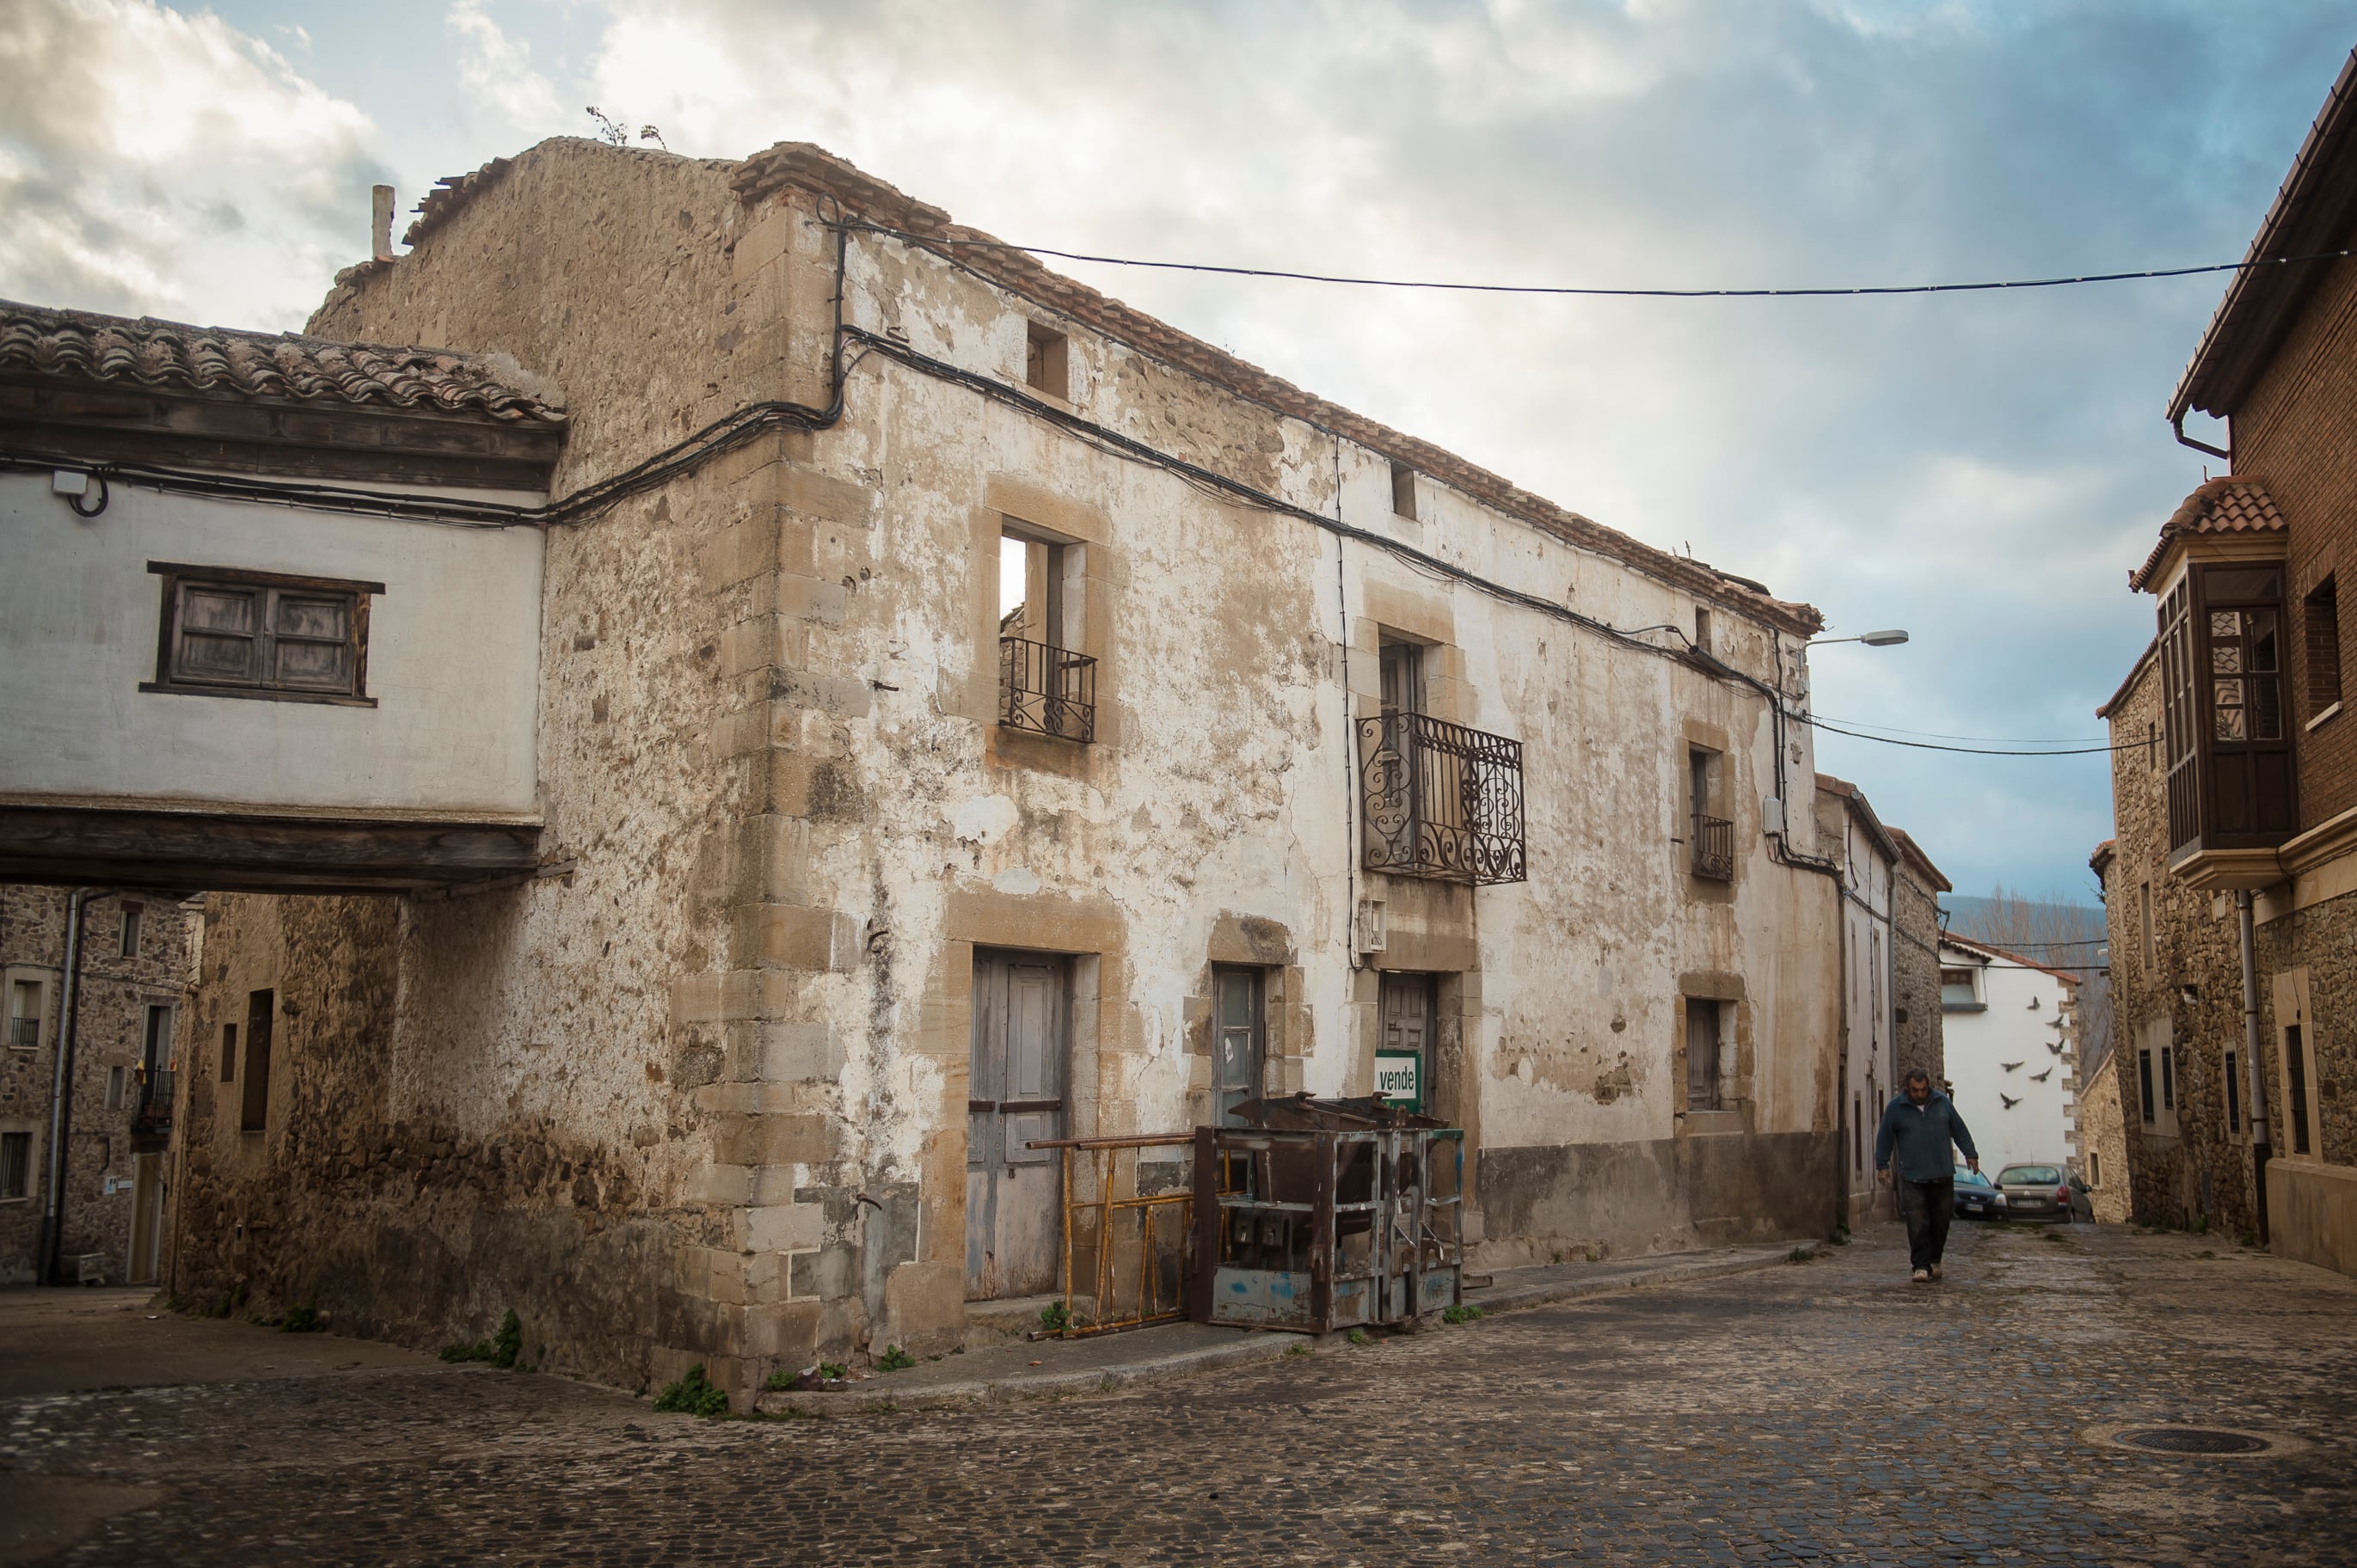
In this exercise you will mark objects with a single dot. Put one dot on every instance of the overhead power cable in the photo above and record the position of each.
(1969, 750)
(1818, 292)
(1975, 739)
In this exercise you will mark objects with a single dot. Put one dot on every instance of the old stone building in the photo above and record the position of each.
(2234, 783)
(969, 712)
(113, 1003)
(1918, 1036)
(1889, 967)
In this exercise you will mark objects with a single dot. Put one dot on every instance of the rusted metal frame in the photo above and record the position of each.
(1106, 1205)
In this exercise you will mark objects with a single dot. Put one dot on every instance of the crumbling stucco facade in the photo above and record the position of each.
(704, 1091)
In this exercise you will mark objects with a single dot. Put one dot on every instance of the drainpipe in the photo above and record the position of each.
(2258, 1096)
(53, 1217)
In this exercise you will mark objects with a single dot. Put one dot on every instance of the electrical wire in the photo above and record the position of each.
(1968, 750)
(1977, 739)
(1822, 292)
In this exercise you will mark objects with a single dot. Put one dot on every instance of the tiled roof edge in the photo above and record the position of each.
(805, 167)
(2193, 513)
(227, 361)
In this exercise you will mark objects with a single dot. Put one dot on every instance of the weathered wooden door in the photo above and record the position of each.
(1014, 1206)
(1241, 1049)
(147, 1219)
(1407, 1015)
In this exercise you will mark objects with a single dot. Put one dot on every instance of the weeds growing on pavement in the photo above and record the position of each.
(1800, 1255)
(301, 1320)
(1361, 1336)
(501, 1349)
(895, 1359)
(1298, 1348)
(1055, 1317)
(694, 1395)
(1459, 1313)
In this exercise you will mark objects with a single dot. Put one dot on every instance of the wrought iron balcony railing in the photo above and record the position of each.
(154, 1112)
(1440, 800)
(1714, 848)
(1048, 691)
(24, 1031)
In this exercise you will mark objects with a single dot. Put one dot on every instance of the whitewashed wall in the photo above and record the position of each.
(452, 660)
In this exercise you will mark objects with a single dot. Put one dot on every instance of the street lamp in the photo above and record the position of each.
(1871, 639)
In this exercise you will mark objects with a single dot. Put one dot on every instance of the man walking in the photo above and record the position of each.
(1918, 1128)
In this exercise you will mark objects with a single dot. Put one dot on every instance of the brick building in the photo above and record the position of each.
(2235, 784)
(119, 1017)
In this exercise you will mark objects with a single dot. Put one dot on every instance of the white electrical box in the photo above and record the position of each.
(1772, 816)
(1370, 933)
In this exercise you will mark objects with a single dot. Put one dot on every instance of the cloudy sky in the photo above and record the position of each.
(1979, 469)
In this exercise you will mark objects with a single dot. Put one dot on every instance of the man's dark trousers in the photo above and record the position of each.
(1928, 1207)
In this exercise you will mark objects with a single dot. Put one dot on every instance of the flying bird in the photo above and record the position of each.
(2008, 1066)
(2010, 1100)
(2042, 1077)
(2054, 1046)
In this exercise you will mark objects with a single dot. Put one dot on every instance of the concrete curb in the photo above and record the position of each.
(1246, 1349)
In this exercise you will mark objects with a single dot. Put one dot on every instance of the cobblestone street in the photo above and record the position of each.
(1825, 1413)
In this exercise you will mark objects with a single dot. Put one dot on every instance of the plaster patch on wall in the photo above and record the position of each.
(984, 819)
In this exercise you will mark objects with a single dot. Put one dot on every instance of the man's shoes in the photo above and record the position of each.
(1922, 1275)
(1935, 1271)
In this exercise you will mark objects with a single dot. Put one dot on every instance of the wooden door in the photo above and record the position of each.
(1407, 1015)
(1240, 1048)
(147, 1219)
(1018, 1066)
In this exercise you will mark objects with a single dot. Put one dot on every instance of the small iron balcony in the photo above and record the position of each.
(1714, 848)
(154, 1112)
(24, 1031)
(1048, 691)
(1440, 800)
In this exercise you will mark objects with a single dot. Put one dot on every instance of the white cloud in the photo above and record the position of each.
(153, 161)
(497, 71)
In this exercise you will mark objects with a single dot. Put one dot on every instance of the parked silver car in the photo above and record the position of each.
(2036, 1192)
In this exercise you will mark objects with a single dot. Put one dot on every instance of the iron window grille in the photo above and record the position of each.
(1440, 800)
(1714, 848)
(1048, 691)
(24, 1031)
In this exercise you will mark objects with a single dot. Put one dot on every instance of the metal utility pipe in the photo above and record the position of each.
(2259, 1151)
(53, 1213)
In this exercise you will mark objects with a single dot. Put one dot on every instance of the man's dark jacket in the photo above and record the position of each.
(1921, 1135)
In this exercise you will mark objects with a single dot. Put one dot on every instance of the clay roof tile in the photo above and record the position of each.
(170, 355)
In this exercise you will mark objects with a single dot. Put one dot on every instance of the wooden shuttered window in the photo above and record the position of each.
(234, 633)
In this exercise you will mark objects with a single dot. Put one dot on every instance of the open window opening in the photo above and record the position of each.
(1045, 684)
(1048, 361)
(253, 1112)
(2320, 613)
(1402, 490)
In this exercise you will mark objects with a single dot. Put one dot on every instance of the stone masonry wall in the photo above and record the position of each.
(1918, 1044)
(702, 1095)
(110, 1037)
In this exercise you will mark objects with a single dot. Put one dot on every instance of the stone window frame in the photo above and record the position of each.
(29, 1129)
(1014, 506)
(44, 1019)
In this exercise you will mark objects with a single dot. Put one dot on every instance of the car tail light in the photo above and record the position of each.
(2062, 1194)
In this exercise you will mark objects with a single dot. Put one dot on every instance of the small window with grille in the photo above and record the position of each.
(232, 633)
(2322, 613)
(15, 1165)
